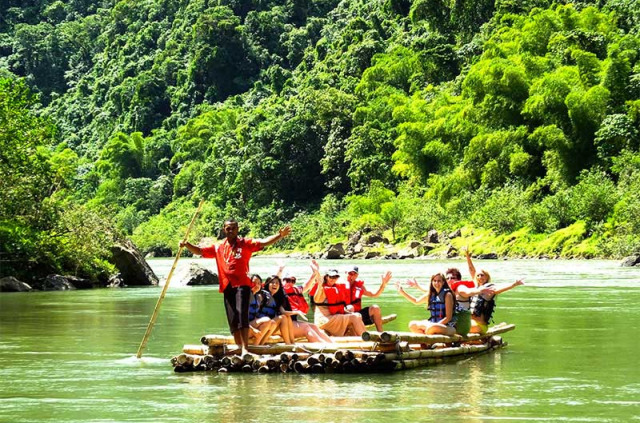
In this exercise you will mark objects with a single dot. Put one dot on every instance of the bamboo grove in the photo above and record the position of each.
(519, 120)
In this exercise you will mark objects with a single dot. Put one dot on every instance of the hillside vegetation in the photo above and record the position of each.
(518, 121)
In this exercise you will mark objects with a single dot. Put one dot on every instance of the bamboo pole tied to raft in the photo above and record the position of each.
(154, 316)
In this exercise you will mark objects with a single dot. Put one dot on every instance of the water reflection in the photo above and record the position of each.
(67, 355)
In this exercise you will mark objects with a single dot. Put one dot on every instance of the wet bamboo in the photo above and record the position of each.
(385, 319)
(156, 310)
(195, 349)
(391, 337)
(420, 362)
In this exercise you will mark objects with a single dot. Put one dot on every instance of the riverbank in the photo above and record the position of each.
(572, 242)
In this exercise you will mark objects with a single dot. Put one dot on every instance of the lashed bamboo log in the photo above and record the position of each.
(314, 347)
(218, 340)
(385, 319)
(391, 337)
(195, 349)
(420, 362)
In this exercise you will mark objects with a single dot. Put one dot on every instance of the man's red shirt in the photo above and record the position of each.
(233, 261)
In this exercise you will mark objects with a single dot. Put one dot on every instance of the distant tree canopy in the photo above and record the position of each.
(499, 114)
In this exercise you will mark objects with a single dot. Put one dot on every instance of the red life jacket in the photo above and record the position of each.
(357, 289)
(296, 299)
(465, 304)
(336, 298)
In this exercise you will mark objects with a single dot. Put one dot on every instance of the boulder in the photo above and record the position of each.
(11, 284)
(133, 268)
(432, 237)
(375, 238)
(199, 275)
(57, 283)
(487, 256)
(354, 239)
(415, 244)
(371, 254)
(455, 234)
(407, 254)
(452, 252)
(630, 261)
(158, 251)
(116, 281)
(426, 248)
(80, 283)
(335, 251)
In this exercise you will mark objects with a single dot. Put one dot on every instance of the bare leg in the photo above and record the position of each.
(237, 337)
(438, 329)
(355, 321)
(263, 329)
(244, 336)
(321, 334)
(286, 330)
(301, 329)
(417, 326)
(376, 316)
(271, 329)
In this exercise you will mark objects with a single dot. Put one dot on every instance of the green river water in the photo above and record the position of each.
(70, 356)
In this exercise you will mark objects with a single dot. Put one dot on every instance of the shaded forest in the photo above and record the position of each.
(518, 120)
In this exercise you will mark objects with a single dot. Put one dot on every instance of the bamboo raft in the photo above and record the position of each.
(374, 352)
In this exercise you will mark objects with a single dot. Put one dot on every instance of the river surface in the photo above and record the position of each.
(70, 356)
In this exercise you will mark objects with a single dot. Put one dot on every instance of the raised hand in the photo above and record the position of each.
(284, 231)
(315, 267)
(386, 277)
(413, 283)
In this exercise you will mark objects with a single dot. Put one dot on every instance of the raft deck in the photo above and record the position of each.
(374, 352)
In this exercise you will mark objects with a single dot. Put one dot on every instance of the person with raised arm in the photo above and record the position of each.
(464, 291)
(232, 260)
(440, 303)
(299, 307)
(333, 313)
(371, 314)
(484, 303)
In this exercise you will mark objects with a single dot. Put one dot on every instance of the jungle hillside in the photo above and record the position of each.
(517, 122)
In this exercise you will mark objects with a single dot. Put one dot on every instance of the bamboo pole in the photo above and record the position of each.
(417, 338)
(154, 316)
(195, 349)
(385, 319)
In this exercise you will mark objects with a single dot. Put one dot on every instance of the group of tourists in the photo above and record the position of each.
(257, 309)
(279, 306)
(455, 305)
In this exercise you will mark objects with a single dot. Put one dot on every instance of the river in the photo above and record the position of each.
(70, 356)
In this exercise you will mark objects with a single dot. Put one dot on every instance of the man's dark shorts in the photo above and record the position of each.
(366, 319)
(236, 303)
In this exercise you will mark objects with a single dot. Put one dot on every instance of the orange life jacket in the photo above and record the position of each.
(296, 299)
(337, 297)
(357, 289)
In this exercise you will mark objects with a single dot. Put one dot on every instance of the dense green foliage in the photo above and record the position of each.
(397, 115)
(41, 231)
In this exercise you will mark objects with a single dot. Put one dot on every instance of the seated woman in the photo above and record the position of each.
(298, 307)
(332, 313)
(483, 304)
(273, 307)
(463, 291)
(440, 303)
(261, 326)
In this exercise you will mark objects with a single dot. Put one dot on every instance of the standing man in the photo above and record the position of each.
(232, 259)
(371, 314)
